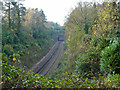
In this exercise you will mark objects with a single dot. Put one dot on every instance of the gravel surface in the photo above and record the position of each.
(50, 61)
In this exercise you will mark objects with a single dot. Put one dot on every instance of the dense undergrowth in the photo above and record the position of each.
(14, 77)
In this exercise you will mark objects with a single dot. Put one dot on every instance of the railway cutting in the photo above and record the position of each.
(49, 62)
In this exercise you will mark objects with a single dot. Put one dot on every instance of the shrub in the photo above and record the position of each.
(8, 49)
(14, 77)
(110, 57)
(89, 62)
(82, 64)
(112, 80)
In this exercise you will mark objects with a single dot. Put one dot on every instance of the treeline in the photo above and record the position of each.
(26, 34)
(93, 39)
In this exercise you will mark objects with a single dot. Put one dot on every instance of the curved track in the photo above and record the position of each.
(50, 61)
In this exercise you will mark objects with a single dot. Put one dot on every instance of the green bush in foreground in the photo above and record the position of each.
(14, 77)
(110, 57)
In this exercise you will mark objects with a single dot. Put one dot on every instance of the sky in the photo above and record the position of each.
(55, 10)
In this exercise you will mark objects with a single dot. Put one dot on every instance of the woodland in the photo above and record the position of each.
(91, 51)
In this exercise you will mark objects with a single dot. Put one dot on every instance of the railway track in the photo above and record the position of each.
(47, 63)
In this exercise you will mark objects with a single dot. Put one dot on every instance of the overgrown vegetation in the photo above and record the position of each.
(93, 43)
(26, 33)
(92, 53)
(15, 77)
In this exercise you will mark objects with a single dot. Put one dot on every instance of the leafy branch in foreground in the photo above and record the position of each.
(14, 77)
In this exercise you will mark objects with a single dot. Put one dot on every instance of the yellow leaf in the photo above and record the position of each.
(19, 61)
(14, 59)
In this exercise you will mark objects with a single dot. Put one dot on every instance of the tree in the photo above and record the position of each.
(8, 5)
(78, 26)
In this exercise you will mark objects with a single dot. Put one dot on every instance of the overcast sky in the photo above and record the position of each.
(55, 10)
